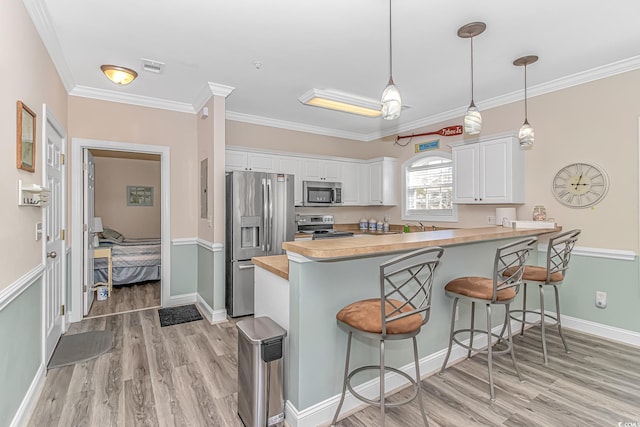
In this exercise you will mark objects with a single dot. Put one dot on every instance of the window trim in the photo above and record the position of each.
(408, 216)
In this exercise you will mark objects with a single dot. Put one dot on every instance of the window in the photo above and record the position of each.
(428, 188)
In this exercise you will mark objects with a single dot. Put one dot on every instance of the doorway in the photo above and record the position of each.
(82, 235)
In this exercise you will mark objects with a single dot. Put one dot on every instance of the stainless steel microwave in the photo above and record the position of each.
(321, 193)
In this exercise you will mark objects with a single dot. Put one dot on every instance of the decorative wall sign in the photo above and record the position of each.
(446, 131)
(139, 196)
(426, 146)
(26, 138)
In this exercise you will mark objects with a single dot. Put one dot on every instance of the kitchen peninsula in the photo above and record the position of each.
(304, 291)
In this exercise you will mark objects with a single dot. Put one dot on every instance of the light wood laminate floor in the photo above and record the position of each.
(137, 296)
(185, 375)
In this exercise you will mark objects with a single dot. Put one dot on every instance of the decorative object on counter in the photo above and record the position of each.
(26, 138)
(391, 102)
(539, 213)
(380, 226)
(406, 228)
(373, 224)
(505, 216)
(446, 131)
(526, 134)
(385, 226)
(364, 224)
(472, 119)
(580, 185)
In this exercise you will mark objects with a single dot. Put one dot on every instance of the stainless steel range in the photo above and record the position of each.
(319, 227)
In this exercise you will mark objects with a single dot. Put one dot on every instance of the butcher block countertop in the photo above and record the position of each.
(276, 264)
(374, 245)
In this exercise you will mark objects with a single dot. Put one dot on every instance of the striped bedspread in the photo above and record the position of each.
(130, 253)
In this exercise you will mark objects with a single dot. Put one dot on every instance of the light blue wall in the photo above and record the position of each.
(618, 278)
(219, 280)
(20, 349)
(184, 269)
(205, 274)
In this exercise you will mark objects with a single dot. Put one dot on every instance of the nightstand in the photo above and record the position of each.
(105, 252)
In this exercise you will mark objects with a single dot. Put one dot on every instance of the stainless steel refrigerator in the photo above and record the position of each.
(259, 217)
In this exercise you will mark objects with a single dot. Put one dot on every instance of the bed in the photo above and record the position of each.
(133, 260)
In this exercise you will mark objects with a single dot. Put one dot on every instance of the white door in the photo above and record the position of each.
(54, 138)
(87, 239)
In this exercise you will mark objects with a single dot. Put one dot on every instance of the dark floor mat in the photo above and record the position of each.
(176, 315)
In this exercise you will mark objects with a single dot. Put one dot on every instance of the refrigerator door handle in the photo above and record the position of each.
(264, 214)
(270, 221)
(245, 266)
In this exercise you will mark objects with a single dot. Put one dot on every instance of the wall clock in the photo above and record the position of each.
(580, 185)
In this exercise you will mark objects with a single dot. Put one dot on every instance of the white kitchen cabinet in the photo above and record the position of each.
(321, 170)
(248, 161)
(382, 181)
(351, 183)
(291, 165)
(490, 171)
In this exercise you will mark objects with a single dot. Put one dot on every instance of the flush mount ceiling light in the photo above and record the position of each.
(119, 75)
(391, 102)
(341, 101)
(472, 119)
(526, 135)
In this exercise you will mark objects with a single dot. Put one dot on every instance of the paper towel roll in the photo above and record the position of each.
(505, 213)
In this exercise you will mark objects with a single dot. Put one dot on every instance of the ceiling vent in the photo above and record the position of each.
(152, 66)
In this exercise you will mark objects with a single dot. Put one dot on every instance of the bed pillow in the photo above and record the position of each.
(112, 235)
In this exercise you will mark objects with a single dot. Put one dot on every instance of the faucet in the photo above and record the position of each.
(421, 226)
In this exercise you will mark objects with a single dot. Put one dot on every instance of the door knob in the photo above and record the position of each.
(52, 254)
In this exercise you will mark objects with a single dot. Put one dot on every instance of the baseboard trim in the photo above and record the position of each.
(23, 414)
(604, 331)
(182, 299)
(213, 316)
(322, 413)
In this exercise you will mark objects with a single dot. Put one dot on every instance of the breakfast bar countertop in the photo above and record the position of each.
(353, 247)
(276, 264)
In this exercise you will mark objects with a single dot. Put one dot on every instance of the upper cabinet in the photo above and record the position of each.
(490, 171)
(321, 170)
(382, 181)
(364, 182)
(248, 161)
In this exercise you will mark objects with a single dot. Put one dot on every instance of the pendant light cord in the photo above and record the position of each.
(472, 103)
(390, 47)
(526, 120)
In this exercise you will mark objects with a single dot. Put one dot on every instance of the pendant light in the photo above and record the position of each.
(472, 119)
(391, 102)
(526, 134)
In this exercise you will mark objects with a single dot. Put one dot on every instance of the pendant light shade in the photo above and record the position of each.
(391, 101)
(526, 134)
(472, 119)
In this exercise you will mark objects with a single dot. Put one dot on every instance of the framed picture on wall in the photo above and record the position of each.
(139, 196)
(26, 138)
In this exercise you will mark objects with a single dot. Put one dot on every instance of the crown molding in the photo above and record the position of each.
(42, 23)
(282, 124)
(211, 89)
(127, 98)
(220, 90)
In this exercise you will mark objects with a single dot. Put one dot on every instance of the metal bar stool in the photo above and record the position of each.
(400, 312)
(558, 257)
(498, 290)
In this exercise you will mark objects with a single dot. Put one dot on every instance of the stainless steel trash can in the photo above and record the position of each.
(260, 372)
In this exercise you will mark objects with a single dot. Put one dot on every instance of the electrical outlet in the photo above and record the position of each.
(491, 220)
(38, 231)
(601, 299)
